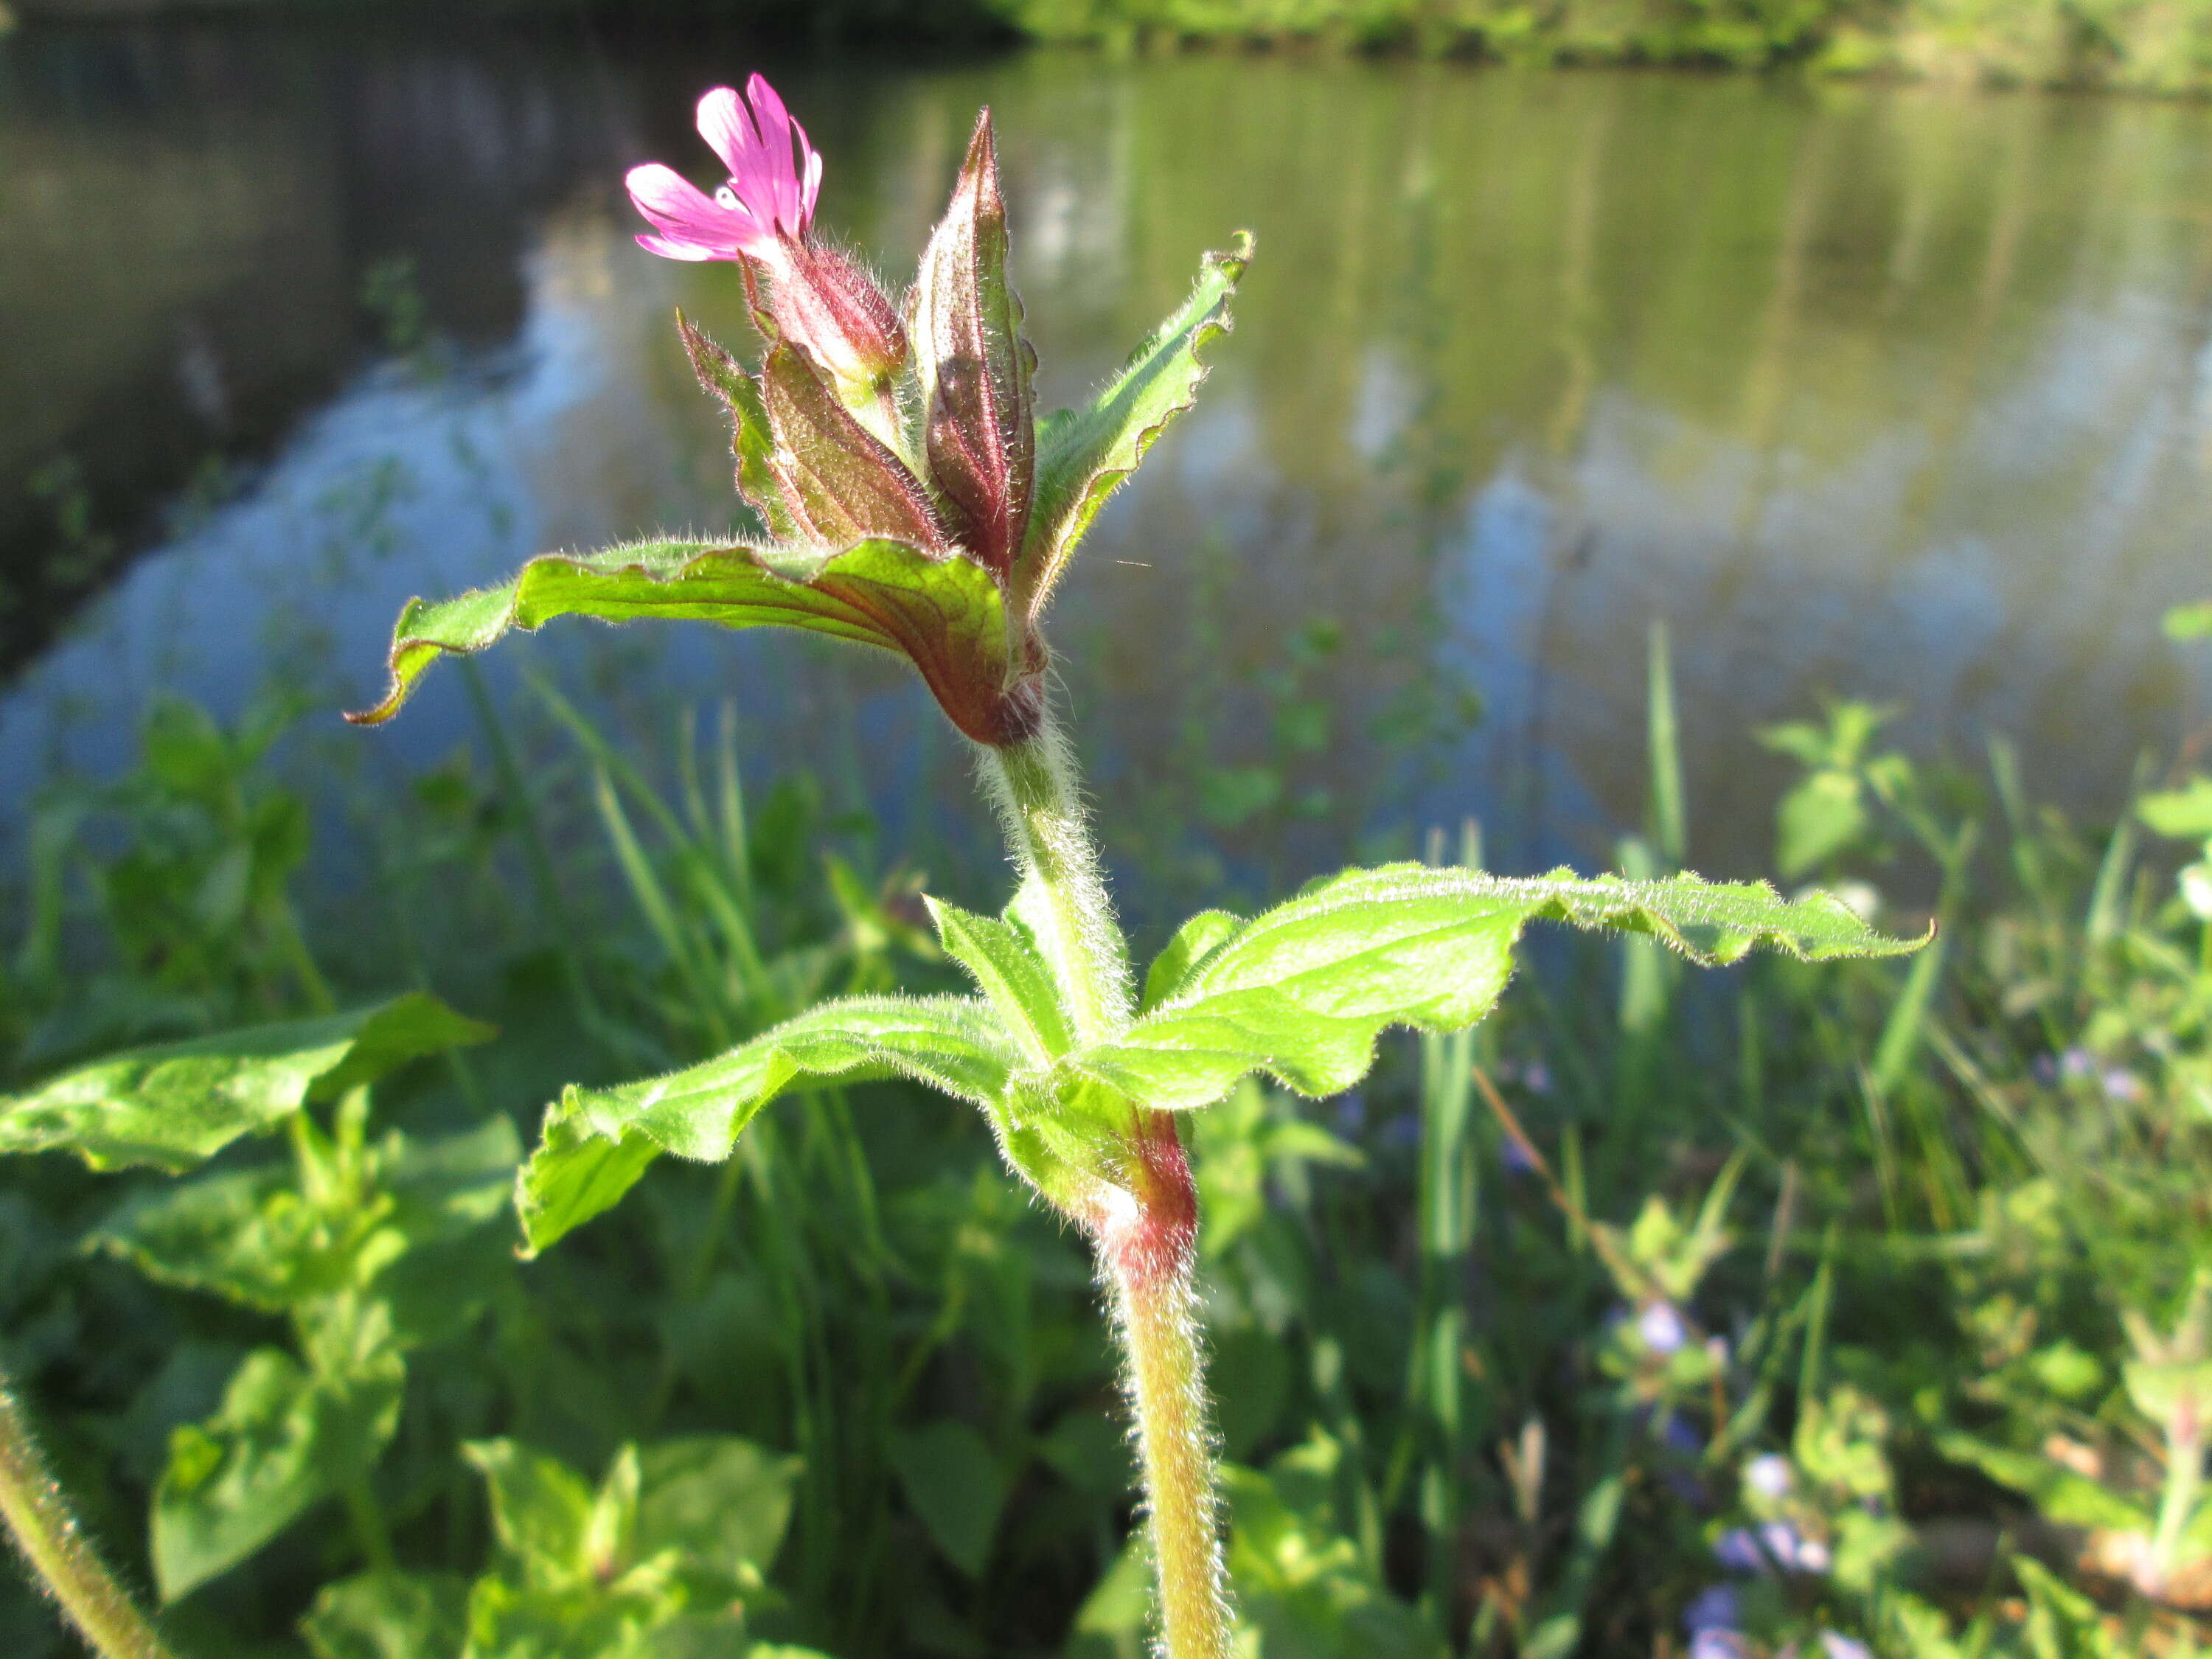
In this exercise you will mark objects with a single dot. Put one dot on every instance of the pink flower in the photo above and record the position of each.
(767, 203)
(819, 298)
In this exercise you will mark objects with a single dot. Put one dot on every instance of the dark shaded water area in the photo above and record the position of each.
(1895, 393)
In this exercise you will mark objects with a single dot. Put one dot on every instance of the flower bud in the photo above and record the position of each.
(822, 299)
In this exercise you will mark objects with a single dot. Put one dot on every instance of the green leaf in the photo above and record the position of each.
(1822, 817)
(718, 1502)
(945, 615)
(173, 1105)
(284, 1438)
(2184, 813)
(390, 1615)
(598, 1141)
(248, 1237)
(2190, 622)
(1003, 958)
(443, 1187)
(541, 1511)
(750, 440)
(1302, 991)
(956, 1484)
(2058, 1493)
(1196, 940)
(252, 1237)
(1082, 457)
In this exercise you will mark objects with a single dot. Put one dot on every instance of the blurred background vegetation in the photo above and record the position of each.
(2157, 47)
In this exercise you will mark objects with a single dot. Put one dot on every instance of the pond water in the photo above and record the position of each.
(1895, 393)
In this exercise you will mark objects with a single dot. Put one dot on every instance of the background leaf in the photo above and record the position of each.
(541, 1511)
(2184, 813)
(390, 1615)
(283, 1439)
(954, 1482)
(720, 1502)
(173, 1105)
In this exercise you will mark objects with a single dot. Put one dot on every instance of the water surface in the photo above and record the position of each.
(1905, 394)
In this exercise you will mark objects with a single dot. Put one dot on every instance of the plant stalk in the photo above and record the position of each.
(1145, 1226)
(2185, 1477)
(61, 1558)
(1033, 786)
(1149, 1253)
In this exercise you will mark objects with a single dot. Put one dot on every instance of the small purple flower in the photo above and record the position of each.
(1662, 1328)
(2123, 1085)
(1515, 1157)
(1839, 1646)
(1717, 1607)
(1738, 1551)
(1768, 1475)
(1682, 1434)
(1719, 1644)
(2076, 1062)
(1537, 1077)
(1776, 1544)
(2045, 1069)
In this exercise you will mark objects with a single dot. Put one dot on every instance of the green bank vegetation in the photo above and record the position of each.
(2161, 47)
(1864, 1301)
(2127, 44)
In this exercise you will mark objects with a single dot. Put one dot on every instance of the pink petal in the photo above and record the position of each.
(726, 126)
(808, 183)
(668, 250)
(684, 215)
(812, 189)
(774, 123)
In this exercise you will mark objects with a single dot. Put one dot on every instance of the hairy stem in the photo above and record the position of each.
(1033, 785)
(1148, 1251)
(39, 1518)
(1144, 1224)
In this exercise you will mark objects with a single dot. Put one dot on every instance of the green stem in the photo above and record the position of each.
(1033, 786)
(1155, 1305)
(39, 1518)
(1144, 1227)
(2184, 1476)
(371, 1535)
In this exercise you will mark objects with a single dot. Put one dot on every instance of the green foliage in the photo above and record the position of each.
(943, 613)
(284, 1438)
(1082, 456)
(652, 1563)
(178, 1103)
(2034, 42)
(1301, 991)
(596, 1142)
(954, 1482)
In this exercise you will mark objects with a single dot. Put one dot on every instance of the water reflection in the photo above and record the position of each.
(1898, 393)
